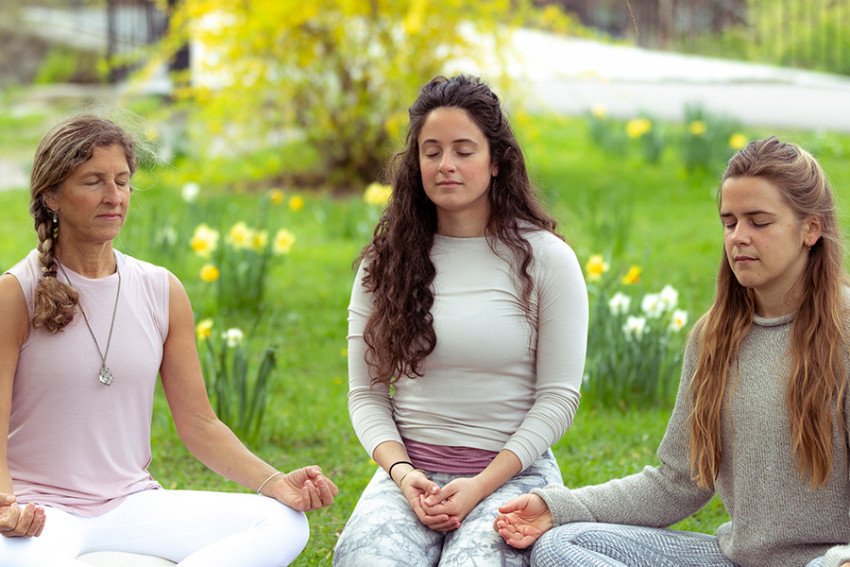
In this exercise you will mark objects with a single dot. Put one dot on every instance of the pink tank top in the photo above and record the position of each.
(74, 443)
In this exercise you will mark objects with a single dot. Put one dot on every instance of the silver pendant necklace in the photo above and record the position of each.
(105, 376)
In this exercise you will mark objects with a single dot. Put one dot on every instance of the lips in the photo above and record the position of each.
(447, 183)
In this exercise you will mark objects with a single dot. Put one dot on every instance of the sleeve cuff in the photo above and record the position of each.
(563, 505)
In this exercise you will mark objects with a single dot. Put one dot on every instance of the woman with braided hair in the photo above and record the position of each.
(467, 335)
(84, 333)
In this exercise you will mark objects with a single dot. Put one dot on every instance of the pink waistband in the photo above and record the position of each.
(445, 459)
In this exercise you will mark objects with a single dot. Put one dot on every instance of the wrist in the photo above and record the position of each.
(269, 482)
(399, 469)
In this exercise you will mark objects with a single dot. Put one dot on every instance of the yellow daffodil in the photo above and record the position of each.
(377, 194)
(259, 240)
(296, 203)
(738, 141)
(209, 273)
(638, 127)
(204, 241)
(276, 196)
(599, 111)
(697, 128)
(240, 236)
(595, 267)
(632, 276)
(204, 329)
(283, 242)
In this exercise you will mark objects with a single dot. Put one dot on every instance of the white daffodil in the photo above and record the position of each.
(635, 327)
(619, 303)
(233, 336)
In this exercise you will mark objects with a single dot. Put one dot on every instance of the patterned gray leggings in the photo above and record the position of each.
(384, 532)
(611, 545)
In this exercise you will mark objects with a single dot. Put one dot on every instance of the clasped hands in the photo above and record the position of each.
(20, 521)
(441, 508)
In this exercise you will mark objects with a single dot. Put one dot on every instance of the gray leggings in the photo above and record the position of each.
(610, 545)
(384, 532)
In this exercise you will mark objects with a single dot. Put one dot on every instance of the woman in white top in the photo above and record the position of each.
(84, 333)
(467, 336)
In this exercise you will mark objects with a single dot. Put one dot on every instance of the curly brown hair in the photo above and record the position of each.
(66, 146)
(399, 272)
(819, 345)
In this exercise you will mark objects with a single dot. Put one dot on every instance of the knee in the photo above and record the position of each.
(279, 519)
(553, 547)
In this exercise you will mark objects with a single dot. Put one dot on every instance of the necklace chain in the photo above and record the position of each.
(105, 376)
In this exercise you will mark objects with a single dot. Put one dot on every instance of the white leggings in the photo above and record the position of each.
(191, 528)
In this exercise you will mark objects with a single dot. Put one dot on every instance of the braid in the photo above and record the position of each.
(55, 302)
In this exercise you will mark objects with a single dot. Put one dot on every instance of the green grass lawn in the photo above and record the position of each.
(665, 221)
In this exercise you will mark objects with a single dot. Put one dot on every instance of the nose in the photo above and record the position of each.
(446, 164)
(112, 193)
(740, 235)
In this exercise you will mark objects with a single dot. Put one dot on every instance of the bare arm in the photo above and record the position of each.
(15, 521)
(210, 440)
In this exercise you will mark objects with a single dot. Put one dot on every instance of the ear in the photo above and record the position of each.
(812, 230)
(494, 170)
(48, 198)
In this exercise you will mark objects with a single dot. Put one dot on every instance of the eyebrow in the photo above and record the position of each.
(747, 214)
(458, 141)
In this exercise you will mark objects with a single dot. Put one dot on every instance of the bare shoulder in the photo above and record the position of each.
(13, 305)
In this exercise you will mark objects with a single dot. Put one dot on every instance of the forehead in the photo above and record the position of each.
(448, 124)
(742, 195)
(112, 157)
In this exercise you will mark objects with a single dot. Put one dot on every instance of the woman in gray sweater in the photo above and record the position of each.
(762, 412)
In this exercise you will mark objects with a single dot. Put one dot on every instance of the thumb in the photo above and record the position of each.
(514, 504)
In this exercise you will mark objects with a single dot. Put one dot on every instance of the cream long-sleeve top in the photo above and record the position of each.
(494, 380)
(776, 517)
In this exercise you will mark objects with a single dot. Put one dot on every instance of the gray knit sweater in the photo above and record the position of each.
(777, 519)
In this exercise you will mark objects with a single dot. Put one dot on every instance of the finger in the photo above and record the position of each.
(308, 498)
(326, 494)
(42, 523)
(423, 483)
(313, 471)
(24, 520)
(514, 504)
(516, 540)
(37, 521)
(314, 499)
(7, 499)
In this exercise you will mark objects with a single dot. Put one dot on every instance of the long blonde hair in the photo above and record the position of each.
(818, 346)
